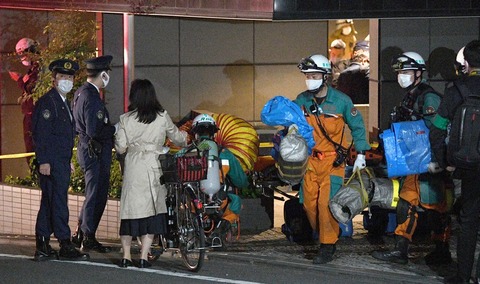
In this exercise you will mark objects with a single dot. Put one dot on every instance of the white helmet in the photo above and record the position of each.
(25, 45)
(315, 63)
(408, 61)
(460, 61)
(204, 122)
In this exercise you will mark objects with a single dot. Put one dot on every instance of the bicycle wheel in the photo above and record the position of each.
(190, 229)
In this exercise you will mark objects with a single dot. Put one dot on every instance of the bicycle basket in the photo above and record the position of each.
(192, 166)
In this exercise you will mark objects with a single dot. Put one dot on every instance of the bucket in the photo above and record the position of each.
(346, 230)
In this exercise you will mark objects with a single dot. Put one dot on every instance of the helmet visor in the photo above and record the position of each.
(309, 64)
(404, 63)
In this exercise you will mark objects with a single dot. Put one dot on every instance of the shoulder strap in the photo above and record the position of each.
(465, 92)
(322, 129)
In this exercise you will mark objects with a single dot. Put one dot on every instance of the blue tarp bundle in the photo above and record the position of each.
(407, 148)
(282, 111)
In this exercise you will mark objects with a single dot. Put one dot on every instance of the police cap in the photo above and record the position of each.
(99, 63)
(362, 45)
(64, 66)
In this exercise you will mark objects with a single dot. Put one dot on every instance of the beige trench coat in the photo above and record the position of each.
(142, 194)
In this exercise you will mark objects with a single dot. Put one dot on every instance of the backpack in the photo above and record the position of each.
(464, 142)
(297, 227)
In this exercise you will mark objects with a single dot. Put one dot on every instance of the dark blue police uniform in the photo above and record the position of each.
(53, 134)
(94, 128)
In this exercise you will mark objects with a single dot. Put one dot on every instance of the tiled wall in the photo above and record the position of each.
(19, 207)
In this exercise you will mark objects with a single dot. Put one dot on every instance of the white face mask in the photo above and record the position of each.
(105, 78)
(405, 80)
(313, 84)
(346, 30)
(64, 86)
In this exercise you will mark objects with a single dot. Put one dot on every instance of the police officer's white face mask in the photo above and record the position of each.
(105, 78)
(405, 80)
(313, 84)
(64, 86)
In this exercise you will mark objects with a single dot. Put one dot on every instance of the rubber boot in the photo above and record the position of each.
(69, 252)
(440, 255)
(43, 249)
(398, 255)
(325, 254)
(77, 237)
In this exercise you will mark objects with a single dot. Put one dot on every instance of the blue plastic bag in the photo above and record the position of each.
(407, 148)
(280, 110)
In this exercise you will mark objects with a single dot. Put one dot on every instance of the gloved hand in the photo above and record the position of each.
(434, 168)
(360, 162)
(450, 169)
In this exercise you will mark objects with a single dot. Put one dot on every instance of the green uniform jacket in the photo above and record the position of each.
(337, 103)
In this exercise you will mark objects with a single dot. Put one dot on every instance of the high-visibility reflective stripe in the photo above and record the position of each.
(396, 190)
(266, 144)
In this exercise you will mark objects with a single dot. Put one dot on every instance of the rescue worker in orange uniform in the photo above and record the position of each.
(424, 192)
(327, 110)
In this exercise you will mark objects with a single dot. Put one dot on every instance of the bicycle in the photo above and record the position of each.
(185, 233)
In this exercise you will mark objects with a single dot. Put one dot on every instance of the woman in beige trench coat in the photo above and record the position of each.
(141, 134)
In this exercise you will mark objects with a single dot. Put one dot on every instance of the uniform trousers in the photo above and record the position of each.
(53, 213)
(97, 184)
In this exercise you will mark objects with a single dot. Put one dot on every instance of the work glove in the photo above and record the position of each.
(434, 168)
(450, 169)
(360, 163)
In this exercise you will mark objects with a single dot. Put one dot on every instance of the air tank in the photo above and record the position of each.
(211, 185)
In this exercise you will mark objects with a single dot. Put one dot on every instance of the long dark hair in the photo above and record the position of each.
(143, 101)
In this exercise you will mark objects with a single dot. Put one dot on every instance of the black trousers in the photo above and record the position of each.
(469, 224)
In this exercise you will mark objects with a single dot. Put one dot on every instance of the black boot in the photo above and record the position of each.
(43, 249)
(441, 254)
(325, 254)
(218, 236)
(397, 255)
(91, 243)
(69, 252)
(77, 237)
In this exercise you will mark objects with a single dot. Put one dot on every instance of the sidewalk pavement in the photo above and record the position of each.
(352, 254)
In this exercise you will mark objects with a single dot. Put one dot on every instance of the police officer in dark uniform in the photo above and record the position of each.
(53, 134)
(94, 150)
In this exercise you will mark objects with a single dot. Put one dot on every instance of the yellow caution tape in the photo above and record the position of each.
(16, 156)
(21, 155)
(396, 190)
